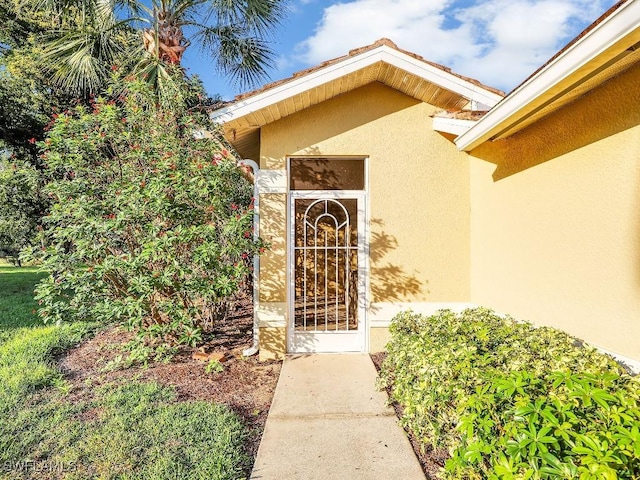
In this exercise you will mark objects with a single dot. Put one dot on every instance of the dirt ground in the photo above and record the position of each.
(430, 460)
(245, 385)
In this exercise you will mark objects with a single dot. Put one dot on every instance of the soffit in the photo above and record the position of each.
(603, 50)
(574, 90)
(241, 131)
(380, 62)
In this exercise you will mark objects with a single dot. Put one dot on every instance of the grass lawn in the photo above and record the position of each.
(16, 297)
(126, 430)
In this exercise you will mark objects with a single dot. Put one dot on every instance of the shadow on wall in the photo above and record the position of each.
(273, 264)
(273, 340)
(327, 173)
(606, 111)
(389, 282)
(313, 172)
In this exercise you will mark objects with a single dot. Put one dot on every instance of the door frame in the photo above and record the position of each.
(363, 271)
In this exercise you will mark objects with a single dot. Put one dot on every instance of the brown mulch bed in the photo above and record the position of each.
(245, 385)
(432, 461)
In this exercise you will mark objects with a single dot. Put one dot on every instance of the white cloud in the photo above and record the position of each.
(499, 42)
(413, 25)
(283, 62)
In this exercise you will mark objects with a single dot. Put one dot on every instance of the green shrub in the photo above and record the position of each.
(512, 401)
(558, 425)
(149, 226)
(22, 205)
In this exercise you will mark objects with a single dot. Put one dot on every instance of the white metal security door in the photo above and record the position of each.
(327, 258)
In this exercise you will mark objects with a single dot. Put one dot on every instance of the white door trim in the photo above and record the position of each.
(341, 341)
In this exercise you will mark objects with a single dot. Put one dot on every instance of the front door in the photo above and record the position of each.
(327, 282)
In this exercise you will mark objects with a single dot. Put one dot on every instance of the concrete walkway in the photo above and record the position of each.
(328, 422)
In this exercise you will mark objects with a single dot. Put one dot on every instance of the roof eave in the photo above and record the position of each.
(605, 41)
(453, 126)
(383, 53)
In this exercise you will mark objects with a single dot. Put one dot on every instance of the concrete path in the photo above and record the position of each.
(328, 422)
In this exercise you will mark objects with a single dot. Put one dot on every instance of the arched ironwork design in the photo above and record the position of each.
(326, 265)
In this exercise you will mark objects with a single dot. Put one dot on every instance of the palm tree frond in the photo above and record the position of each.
(263, 15)
(244, 59)
(164, 79)
(79, 61)
(88, 36)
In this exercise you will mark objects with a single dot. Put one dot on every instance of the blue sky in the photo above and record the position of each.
(499, 42)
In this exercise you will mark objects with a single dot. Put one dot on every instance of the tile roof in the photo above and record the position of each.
(352, 53)
(461, 114)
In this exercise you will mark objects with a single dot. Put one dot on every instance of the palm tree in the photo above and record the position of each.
(87, 38)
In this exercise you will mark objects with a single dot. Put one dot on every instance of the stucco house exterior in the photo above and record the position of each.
(388, 182)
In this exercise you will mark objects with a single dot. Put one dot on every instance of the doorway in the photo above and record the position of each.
(327, 274)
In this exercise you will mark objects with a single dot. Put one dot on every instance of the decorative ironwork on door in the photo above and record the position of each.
(326, 265)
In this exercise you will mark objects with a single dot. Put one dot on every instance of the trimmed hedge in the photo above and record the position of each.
(512, 401)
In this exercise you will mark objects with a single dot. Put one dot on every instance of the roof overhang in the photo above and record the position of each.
(454, 126)
(381, 62)
(611, 45)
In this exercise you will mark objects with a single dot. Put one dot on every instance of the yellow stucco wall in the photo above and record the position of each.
(273, 264)
(273, 343)
(272, 310)
(555, 230)
(378, 339)
(418, 188)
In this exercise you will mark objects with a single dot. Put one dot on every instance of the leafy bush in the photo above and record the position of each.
(561, 425)
(22, 204)
(512, 401)
(149, 226)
